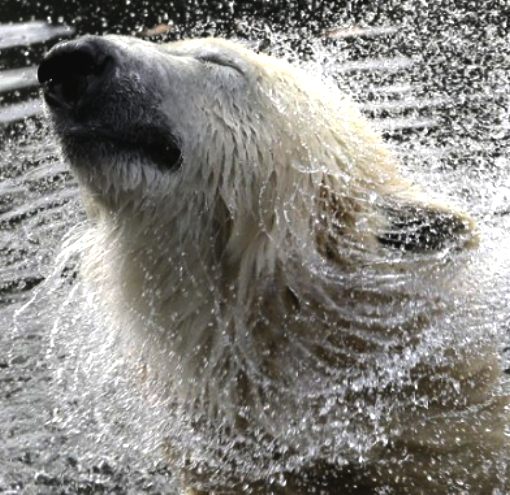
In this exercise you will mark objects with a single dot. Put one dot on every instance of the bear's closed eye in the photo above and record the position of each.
(220, 60)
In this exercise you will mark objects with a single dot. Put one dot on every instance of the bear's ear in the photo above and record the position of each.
(420, 227)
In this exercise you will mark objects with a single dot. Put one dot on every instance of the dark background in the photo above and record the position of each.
(127, 17)
(99, 16)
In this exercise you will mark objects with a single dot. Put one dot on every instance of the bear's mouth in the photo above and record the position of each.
(158, 147)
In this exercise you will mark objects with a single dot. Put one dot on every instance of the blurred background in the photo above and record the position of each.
(434, 77)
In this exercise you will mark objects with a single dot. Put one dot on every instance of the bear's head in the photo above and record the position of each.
(250, 145)
(245, 211)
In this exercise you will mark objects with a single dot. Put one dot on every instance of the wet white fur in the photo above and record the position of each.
(188, 264)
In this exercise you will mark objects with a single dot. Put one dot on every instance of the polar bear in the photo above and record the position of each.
(292, 301)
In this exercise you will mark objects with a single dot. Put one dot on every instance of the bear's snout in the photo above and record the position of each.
(74, 71)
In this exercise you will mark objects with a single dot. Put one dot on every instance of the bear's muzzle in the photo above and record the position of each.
(73, 72)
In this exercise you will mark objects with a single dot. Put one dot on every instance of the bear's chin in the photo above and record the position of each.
(88, 152)
(118, 172)
(88, 146)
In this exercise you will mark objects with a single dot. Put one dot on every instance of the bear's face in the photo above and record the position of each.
(132, 114)
(250, 139)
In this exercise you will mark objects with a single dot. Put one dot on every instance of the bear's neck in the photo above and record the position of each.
(184, 303)
(175, 272)
(246, 328)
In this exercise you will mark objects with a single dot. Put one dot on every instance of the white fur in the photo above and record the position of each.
(215, 279)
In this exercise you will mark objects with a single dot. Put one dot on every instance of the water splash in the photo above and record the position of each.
(461, 157)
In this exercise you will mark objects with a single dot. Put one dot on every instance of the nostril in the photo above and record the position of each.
(71, 70)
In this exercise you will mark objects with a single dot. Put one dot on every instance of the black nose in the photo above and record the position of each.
(75, 70)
